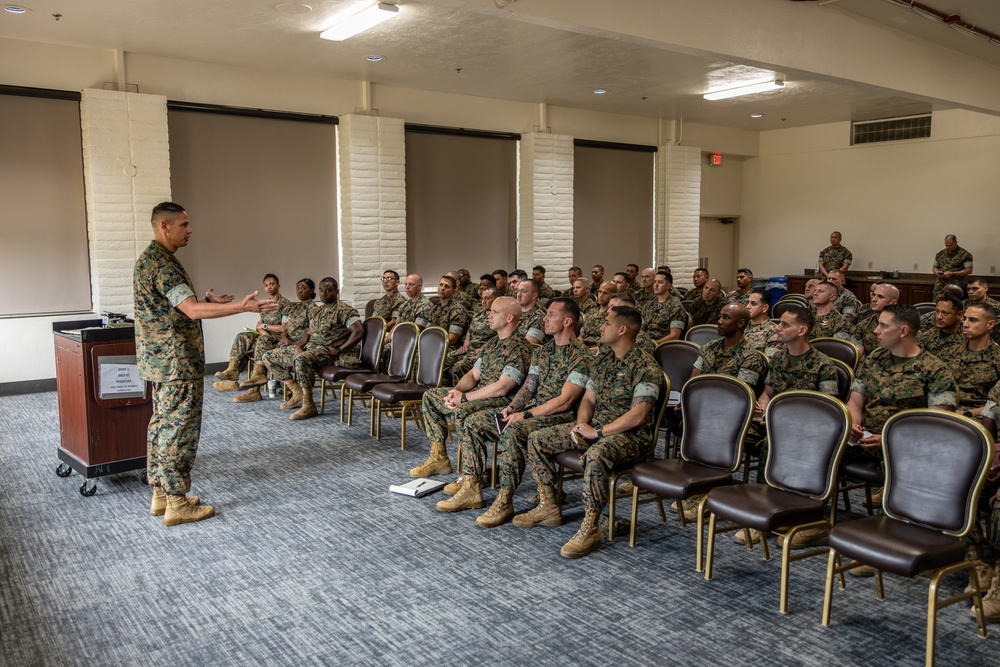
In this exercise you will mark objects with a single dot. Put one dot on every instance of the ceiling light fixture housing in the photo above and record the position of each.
(599, 91)
(374, 59)
(756, 115)
(745, 89)
(16, 9)
(369, 17)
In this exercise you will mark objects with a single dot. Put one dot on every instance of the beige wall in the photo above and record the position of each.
(893, 202)
(721, 187)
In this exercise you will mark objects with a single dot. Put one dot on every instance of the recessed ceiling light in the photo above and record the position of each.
(599, 91)
(375, 59)
(292, 8)
(16, 9)
(756, 115)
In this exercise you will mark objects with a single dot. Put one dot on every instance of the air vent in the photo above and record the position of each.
(891, 129)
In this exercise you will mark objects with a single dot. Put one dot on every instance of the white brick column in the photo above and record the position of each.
(126, 164)
(372, 193)
(678, 209)
(545, 220)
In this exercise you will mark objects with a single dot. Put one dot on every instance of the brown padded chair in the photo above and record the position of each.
(845, 377)
(936, 464)
(359, 385)
(370, 308)
(778, 309)
(925, 307)
(703, 333)
(800, 299)
(838, 348)
(372, 337)
(405, 397)
(717, 411)
(676, 359)
(806, 433)
(571, 459)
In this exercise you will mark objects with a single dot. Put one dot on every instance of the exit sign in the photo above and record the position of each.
(715, 160)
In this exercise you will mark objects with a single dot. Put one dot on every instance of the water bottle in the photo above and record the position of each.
(272, 387)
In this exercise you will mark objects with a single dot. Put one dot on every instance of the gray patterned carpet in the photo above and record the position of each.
(311, 561)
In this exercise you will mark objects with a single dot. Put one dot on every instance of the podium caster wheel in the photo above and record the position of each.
(144, 478)
(88, 488)
(64, 470)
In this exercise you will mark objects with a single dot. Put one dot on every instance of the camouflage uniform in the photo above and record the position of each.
(763, 337)
(828, 325)
(453, 318)
(833, 258)
(387, 305)
(329, 325)
(296, 320)
(645, 343)
(692, 294)
(618, 385)
(922, 381)
(940, 343)
(592, 322)
(862, 332)
(545, 293)
(644, 298)
(552, 366)
(531, 324)
(465, 301)
(948, 260)
(661, 317)
(704, 313)
(418, 312)
(170, 352)
(975, 371)
(847, 304)
(470, 289)
(253, 345)
(740, 361)
(499, 357)
(587, 306)
(479, 333)
(739, 297)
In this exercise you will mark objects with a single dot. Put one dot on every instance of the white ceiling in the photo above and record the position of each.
(444, 45)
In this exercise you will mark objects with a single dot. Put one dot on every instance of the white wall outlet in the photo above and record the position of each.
(993, 268)
(915, 266)
(869, 265)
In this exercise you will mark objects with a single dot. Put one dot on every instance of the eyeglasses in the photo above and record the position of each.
(387, 279)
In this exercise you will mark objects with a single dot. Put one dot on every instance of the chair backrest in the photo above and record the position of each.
(703, 333)
(935, 467)
(404, 347)
(370, 308)
(717, 410)
(925, 307)
(778, 309)
(800, 299)
(845, 376)
(838, 348)
(373, 335)
(433, 346)
(806, 432)
(676, 359)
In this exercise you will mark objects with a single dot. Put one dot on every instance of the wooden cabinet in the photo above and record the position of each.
(912, 289)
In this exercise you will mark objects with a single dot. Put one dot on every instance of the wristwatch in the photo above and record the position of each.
(464, 397)
(600, 431)
(967, 412)
(265, 327)
(527, 414)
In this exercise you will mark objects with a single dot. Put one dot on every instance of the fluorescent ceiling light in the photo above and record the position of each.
(749, 89)
(360, 21)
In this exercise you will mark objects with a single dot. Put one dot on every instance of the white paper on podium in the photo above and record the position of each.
(120, 379)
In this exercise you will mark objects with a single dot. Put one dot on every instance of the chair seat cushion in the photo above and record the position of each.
(399, 392)
(677, 478)
(363, 382)
(571, 459)
(865, 471)
(896, 546)
(335, 373)
(763, 507)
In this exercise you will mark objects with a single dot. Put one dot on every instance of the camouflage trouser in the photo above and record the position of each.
(172, 438)
(460, 364)
(436, 413)
(282, 360)
(482, 430)
(246, 344)
(598, 460)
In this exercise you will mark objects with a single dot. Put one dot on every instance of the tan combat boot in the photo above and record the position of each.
(308, 408)
(469, 497)
(249, 396)
(226, 385)
(295, 399)
(159, 504)
(257, 378)
(232, 371)
(453, 488)
(180, 510)
(810, 537)
(499, 513)
(991, 603)
(985, 576)
(437, 463)
(587, 538)
(546, 513)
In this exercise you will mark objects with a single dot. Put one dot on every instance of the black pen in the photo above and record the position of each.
(419, 485)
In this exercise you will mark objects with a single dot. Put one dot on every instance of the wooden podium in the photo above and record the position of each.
(104, 408)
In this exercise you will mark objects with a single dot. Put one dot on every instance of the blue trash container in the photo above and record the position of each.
(777, 287)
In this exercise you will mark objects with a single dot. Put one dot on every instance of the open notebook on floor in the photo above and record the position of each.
(417, 487)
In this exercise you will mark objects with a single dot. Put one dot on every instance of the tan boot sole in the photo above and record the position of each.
(160, 511)
(252, 382)
(494, 520)
(203, 512)
(304, 413)
(528, 523)
(572, 552)
(452, 506)
(442, 467)
(227, 385)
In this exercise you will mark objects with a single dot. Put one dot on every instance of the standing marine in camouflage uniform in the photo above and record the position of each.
(862, 331)
(557, 377)
(744, 283)
(975, 362)
(490, 384)
(334, 333)
(449, 313)
(664, 317)
(461, 359)
(945, 331)
(614, 424)
(951, 265)
(706, 308)
(251, 345)
(896, 376)
(761, 333)
(731, 355)
(530, 325)
(170, 353)
(834, 257)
